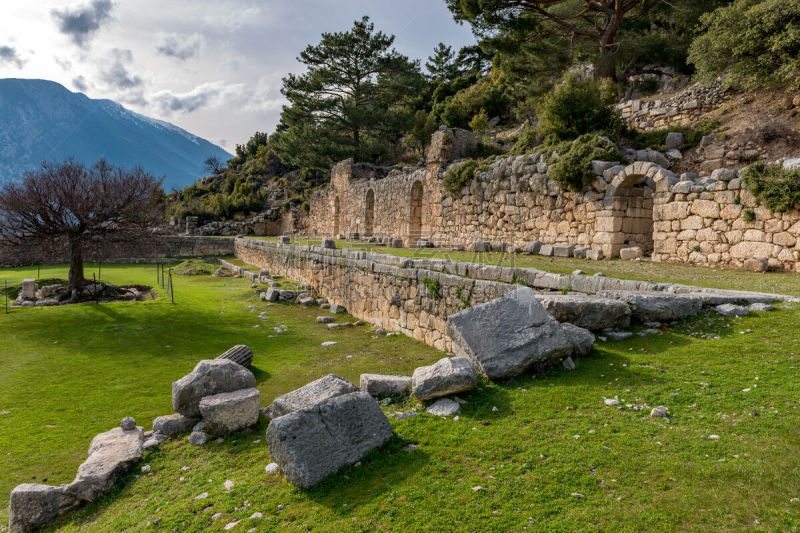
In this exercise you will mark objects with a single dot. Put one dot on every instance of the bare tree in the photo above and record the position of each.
(70, 204)
(214, 165)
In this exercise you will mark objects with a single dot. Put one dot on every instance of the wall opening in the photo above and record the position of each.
(415, 214)
(337, 208)
(627, 217)
(369, 213)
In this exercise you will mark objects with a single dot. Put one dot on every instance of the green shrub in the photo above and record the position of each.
(773, 186)
(433, 286)
(527, 140)
(573, 167)
(657, 138)
(460, 175)
(480, 122)
(575, 108)
(749, 215)
(489, 149)
(753, 43)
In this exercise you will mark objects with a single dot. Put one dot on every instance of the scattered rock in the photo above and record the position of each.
(379, 385)
(313, 443)
(271, 468)
(174, 424)
(611, 402)
(202, 496)
(619, 335)
(128, 423)
(209, 377)
(146, 469)
(569, 364)
(309, 395)
(582, 340)
(231, 411)
(507, 336)
(198, 438)
(324, 319)
(660, 412)
(329, 343)
(443, 407)
(446, 376)
(731, 310)
(760, 307)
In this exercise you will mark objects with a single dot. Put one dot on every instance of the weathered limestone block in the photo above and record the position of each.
(111, 454)
(231, 411)
(447, 376)
(507, 336)
(582, 339)
(563, 251)
(309, 395)
(705, 208)
(751, 250)
(174, 424)
(588, 312)
(627, 254)
(755, 265)
(379, 385)
(209, 377)
(657, 306)
(32, 506)
(241, 354)
(313, 443)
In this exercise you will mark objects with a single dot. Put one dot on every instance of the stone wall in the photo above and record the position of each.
(154, 247)
(680, 109)
(718, 221)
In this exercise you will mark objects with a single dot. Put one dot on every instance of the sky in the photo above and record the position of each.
(212, 67)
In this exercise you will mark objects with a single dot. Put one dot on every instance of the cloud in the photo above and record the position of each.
(80, 83)
(116, 73)
(180, 47)
(9, 56)
(205, 95)
(82, 22)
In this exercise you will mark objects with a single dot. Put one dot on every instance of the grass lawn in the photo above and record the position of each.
(721, 278)
(551, 457)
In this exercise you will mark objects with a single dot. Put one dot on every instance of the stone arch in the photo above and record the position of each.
(337, 215)
(415, 213)
(369, 213)
(627, 215)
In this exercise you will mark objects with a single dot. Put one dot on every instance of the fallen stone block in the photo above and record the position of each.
(209, 377)
(755, 265)
(241, 354)
(338, 309)
(580, 252)
(329, 244)
(313, 443)
(379, 385)
(588, 312)
(306, 301)
(447, 376)
(582, 339)
(628, 254)
(481, 246)
(657, 306)
(174, 424)
(309, 395)
(546, 250)
(272, 295)
(594, 255)
(563, 251)
(443, 407)
(111, 454)
(324, 319)
(732, 310)
(32, 506)
(509, 335)
(532, 248)
(760, 307)
(231, 411)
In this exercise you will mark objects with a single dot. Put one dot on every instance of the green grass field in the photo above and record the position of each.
(71, 372)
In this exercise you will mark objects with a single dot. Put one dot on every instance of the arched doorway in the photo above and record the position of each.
(337, 208)
(415, 214)
(369, 213)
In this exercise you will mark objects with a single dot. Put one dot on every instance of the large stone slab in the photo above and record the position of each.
(240, 353)
(174, 424)
(209, 377)
(313, 443)
(309, 395)
(32, 506)
(231, 411)
(657, 306)
(111, 454)
(447, 376)
(382, 385)
(588, 312)
(509, 335)
(581, 339)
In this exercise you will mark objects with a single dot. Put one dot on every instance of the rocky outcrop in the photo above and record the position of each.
(309, 395)
(447, 376)
(209, 377)
(507, 336)
(313, 443)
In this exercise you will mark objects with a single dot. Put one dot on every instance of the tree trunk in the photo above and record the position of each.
(607, 68)
(75, 265)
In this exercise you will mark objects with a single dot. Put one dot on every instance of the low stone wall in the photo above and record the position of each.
(154, 247)
(680, 109)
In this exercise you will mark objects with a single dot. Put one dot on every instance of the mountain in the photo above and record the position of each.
(42, 120)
